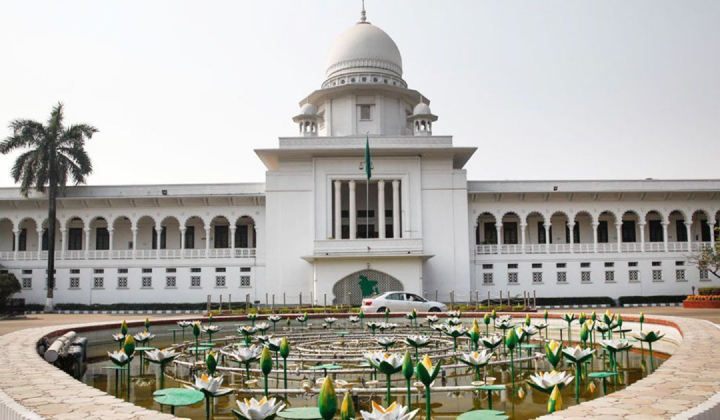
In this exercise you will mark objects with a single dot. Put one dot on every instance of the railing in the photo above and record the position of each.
(129, 254)
(347, 246)
(588, 248)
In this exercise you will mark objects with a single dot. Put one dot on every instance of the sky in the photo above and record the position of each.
(183, 91)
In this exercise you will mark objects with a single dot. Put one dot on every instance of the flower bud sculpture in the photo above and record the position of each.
(210, 318)
(129, 350)
(474, 334)
(387, 314)
(147, 324)
(486, 321)
(408, 370)
(569, 318)
(427, 374)
(584, 334)
(327, 401)
(641, 319)
(553, 351)
(266, 366)
(511, 340)
(196, 333)
(284, 353)
(555, 401)
(211, 363)
(123, 328)
(347, 409)
(252, 317)
(527, 320)
(361, 315)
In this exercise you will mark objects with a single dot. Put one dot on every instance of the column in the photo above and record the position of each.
(207, 242)
(711, 224)
(182, 239)
(396, 208)
(110, 238)
(642, 236)
(158, 236)
(338, 210)
(381, 209)
(39, 243)
(353, 212)
(134, 242)
(523, 227)
(595, 238)
(665, 234)
(618, 232)
(498, 235)
(87, 243)
(17, 243)
(571, 234)
(688, 226)
(547, 236)
(63, 244)
(232, 240)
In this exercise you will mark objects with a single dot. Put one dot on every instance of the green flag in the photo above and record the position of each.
(368, 168)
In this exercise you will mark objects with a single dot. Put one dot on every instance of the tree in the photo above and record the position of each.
(708, 259)
(9, 285)
(56, 154)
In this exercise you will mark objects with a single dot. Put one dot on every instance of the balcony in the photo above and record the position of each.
(339, 247)
(602, 248)
(140, 254)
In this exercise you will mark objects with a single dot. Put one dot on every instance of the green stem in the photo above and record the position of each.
(577, 382)
(128, 379)
(285, 373)
(162, 376)
(207, 406)
(652, 364)
(197, 347)
(512, 371)
(266, 386)
(408, 393)
(388, 390)
(428, 406)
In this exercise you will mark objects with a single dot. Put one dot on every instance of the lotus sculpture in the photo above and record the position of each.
(392, 412)
(258, 410)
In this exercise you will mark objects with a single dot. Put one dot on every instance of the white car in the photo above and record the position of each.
(401, 302)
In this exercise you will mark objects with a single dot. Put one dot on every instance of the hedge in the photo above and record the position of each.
(133, 306)
(624, 300)
(709, 291)
(584, 300)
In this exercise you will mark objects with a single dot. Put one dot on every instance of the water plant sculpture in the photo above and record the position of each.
(553, 351)
(353, 319)
(393, 412)
(258, 410)
(274, 319)
(555, 401)
(476, 360)
(474, 334)
(327, 401)
(347, 408)
(196, 332)
(266, 366)
(650, 337)
(511, 340)
(361, 315)
(119, 338)
(454, 314)
(486, 321)
(262, 327)
(252, 316)
(246, 355)
(386, 342)
(455, 332)
(417, 342)
(284, 353)
(492, 341)
(578, 357)
(161, 358)
(210, 330)
(613, 347)
(183, 325)
(373, 326)
(330, 321)
(210, 387)
(302, 319)
(408, 370)
(129, 350)
(641, 320)
(431, 319)
(387, 314)
(427, 374)
(387, 363)
(569, 318)
(547, 381)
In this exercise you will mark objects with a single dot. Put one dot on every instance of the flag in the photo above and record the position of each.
(368, 165)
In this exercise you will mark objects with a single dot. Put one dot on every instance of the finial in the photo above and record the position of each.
(363, 16)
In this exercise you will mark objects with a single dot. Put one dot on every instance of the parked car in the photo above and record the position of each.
(401, 302)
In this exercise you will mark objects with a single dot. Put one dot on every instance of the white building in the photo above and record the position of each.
(316, 225)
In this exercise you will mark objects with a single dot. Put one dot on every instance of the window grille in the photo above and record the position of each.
(171, 282)
(147, 282)
(657, 275)
(562, 277)
(704, 275)
(609, 277)
(98, 282)
(634, 276)
(74, 282)
(512, 278)
(122, 282)
(244, 281)
(219, 281)
(537, 277)
(27, 283)
(680, 275)
(487, 278)
(195, 281)
(585, 277)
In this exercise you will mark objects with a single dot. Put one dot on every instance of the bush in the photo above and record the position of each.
(164, 306)
(585, 300)
(707, 291)
(9, 285)
(625, 300)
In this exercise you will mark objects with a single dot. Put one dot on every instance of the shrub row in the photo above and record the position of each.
(131, 306)
(584, 300)
(652, 299)
(709, 291)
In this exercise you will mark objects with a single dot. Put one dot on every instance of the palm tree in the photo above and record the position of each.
(56, 153)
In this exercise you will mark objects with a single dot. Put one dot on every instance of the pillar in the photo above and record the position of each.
(207, 241)
(134, 242)
(17, 243)
(595, 238)
(618, 232)
(158, 237)
(688, 226)
(87, 243)
(642, 236)
(111, 231)
(182, 239)
(396, 208)
(523, 227)
(232, 240)
(571, 234)
(63, 244)
(338, 210)
(547, 236)
(353, 211)
(39, 243)
(711, 224)
(665, 235)
(498, 234)
(381, 209)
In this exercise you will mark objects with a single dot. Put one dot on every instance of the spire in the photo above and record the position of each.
(363, 16)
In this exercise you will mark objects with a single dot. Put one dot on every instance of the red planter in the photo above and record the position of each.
(701, 304)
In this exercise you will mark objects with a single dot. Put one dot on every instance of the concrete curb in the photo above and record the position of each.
(129, 312)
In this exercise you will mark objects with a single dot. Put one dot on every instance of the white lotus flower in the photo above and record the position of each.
(616, 345)
(601, 327)
(118, 337)
(431, 318)
(577, 354)
(264, 338)
(393, 412)
(275, 318)
(143, 336)
(211, 328)
(118, 357)
(454, 321)
(491, 340)
(548, 380)
(210, 385)
(247, 330)
(438, 327)
(354, 319)
(386, 341)
(504, 319)
(417, 340)
(453, 314)
(540, 325)
(262, 326)
(159, 356)
(377, 357)
(184, 324)
(528, 330)
(476, 358)
(387, 326)
(259, 410)
(456, 330)
(246, 354)
(330, 319)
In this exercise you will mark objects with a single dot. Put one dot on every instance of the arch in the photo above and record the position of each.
(583, 213)
(12, 222)
(123, 218)
(481, 236)
(194, 216)
(683, 213)
(169, 216)
(73, 217)
(27, 219)
(631, 212)
(245, 216)
(608, 212)
(659, 213)
(7, 230)
(144, 216)
(352, 288)
(535, 214)
(705, 212)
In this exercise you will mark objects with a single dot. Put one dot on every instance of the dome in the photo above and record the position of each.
(422, 109)
(364, 47)
(308, 109)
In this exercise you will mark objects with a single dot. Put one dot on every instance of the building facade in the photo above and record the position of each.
(318, 224)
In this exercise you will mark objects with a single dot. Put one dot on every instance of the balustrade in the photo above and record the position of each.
(129, 254)
(588, 248)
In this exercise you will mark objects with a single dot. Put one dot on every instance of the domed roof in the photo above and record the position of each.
(422, 109)
(364, 47)
(308, 109)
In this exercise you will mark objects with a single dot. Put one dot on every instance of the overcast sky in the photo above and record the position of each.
(182, 92)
